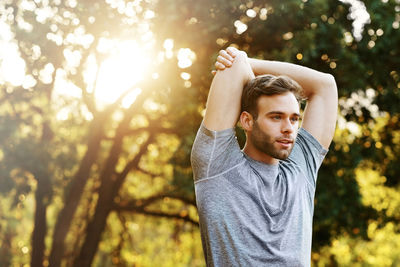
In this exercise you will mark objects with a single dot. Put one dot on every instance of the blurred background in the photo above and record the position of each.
(100, 102)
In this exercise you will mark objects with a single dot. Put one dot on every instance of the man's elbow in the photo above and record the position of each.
(329, 80)
(329, 84)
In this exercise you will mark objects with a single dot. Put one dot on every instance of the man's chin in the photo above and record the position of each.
(275, 151)
(283, 154)
(280, 156)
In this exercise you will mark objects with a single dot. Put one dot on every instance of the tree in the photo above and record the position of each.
(93, 150)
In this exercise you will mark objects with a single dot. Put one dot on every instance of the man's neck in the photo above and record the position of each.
(258, 155)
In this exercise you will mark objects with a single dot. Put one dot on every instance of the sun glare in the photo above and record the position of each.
(119, 73)
(12, 66)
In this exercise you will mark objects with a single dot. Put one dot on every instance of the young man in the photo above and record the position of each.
(256, 205)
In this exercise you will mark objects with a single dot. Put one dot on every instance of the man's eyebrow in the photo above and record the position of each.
(282, 113)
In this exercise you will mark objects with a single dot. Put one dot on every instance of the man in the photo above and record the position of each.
(256, 206)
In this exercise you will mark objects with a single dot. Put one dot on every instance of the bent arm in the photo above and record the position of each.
(319, 88)
(223, 104)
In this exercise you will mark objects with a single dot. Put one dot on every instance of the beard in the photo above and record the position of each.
(266, 143)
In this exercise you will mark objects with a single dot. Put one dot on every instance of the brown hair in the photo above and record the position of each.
(267, 85)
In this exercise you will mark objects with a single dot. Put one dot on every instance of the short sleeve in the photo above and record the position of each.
(214, 152)
(308, 154)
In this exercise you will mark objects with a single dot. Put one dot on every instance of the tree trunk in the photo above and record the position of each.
(75, 192)
(43, 195)
(104, 203)
(40, 225)
(94, 230)
(110, 186)
(6, 252)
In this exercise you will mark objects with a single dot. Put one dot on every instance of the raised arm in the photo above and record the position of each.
(319, 88)
(223, 104)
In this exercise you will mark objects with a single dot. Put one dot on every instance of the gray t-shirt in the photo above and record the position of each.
(252, 213)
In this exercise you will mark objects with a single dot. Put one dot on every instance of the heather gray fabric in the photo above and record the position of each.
(251, 213)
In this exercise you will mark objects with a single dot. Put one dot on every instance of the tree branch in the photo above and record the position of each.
(88, 98)
(179, 216)
(140, 205)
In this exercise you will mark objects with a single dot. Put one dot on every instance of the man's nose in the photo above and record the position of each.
(287, 126)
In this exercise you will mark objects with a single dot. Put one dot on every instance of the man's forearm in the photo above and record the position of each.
(223, 104)
(311, 80)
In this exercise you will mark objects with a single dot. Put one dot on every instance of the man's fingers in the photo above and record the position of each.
(224, 54)
(224, 61)
(219, 66)
(232, 51)
(226, 58)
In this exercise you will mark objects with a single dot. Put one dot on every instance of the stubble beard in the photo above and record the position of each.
(265, 143)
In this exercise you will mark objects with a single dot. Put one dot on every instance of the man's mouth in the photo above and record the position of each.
(285, 143)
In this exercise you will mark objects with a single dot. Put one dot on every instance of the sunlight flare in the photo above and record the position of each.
(119, 73)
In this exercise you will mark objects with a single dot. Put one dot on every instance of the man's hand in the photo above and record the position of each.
(225, 59)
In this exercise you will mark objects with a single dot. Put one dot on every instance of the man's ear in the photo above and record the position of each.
(246, 120)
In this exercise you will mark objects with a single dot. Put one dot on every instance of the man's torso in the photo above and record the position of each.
(251, 213)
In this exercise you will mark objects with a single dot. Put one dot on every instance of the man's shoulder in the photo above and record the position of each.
(305, 138)
(214, 152)
(307, 154)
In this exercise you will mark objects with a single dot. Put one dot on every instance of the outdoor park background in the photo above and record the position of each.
(100, 102)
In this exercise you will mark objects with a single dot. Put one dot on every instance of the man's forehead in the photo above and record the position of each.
(282, 103)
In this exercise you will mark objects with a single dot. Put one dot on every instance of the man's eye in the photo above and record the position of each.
(277, 117)
(295, 119)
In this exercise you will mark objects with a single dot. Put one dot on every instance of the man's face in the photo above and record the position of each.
(275, 129)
